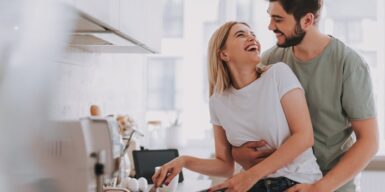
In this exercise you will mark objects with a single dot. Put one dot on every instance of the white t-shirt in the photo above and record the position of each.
(255, 112)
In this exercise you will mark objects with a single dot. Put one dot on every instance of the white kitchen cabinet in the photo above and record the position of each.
(142, 20)
(106, 11)
(69, 2)
(126, 25)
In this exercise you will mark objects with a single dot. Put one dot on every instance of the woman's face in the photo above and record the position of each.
(241, 46)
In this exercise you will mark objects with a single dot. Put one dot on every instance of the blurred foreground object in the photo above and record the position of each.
(32, 38)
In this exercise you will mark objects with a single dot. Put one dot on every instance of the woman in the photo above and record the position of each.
(245, 106)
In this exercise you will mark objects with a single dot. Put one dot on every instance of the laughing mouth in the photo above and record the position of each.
(278, 33)
(252, 48)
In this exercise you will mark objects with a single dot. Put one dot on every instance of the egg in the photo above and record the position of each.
(143, 184)
(95, 110)
(133, 184)
(125, 182)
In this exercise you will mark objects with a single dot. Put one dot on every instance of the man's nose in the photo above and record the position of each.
(271, 26)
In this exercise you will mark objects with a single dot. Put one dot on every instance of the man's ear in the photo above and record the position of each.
(224, 56)
(307, 20)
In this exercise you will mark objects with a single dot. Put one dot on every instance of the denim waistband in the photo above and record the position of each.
(278, 184)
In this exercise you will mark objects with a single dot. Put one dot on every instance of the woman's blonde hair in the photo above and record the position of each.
(218, 71)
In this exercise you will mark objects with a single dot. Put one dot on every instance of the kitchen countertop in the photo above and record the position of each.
(191, 185)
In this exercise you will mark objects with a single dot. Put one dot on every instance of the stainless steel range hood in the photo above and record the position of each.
(93, 35)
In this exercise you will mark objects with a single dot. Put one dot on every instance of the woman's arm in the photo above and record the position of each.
(301, 137)
(222, 165)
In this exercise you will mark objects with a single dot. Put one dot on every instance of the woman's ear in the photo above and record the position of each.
(224, 56)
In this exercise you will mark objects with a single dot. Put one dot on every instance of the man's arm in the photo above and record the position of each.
(352, 162)
(357, 157)
(248, 154)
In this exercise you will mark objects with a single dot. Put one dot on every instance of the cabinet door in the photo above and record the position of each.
(142, 20)
(69, 2)
(106, 11)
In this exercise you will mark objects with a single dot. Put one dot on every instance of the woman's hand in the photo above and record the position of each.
(240, 182)
(168, 171)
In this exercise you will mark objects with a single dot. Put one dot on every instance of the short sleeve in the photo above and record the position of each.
(357, 94)
(285, 79)
(213, 116)
(273, 55)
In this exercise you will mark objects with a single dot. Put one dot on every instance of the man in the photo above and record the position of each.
(338, 90)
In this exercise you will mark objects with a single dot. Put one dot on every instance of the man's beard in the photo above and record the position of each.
(293, 40)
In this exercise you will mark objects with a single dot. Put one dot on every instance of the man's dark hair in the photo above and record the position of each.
(299, 8)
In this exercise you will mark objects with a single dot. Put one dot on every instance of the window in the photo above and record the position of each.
(161, 84)
(173, 19)
(244, 11)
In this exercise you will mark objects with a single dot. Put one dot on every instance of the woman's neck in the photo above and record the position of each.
(243, 77)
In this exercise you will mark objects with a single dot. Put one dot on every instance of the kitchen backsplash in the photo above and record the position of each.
(113, 81)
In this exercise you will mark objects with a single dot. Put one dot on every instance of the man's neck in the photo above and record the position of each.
(311, 46)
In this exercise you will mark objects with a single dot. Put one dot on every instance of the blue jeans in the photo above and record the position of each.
(279, 184)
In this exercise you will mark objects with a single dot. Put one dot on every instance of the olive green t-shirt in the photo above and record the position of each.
(338, 89)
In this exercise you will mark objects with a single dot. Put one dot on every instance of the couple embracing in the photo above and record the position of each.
(306, 123)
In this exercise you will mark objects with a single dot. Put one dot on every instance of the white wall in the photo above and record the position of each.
(115, 82)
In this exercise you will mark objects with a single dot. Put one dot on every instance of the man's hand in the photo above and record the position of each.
(250, 154)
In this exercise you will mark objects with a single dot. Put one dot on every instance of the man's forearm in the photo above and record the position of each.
(353, 161)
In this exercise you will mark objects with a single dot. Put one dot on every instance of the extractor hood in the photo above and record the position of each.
(93, 35)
